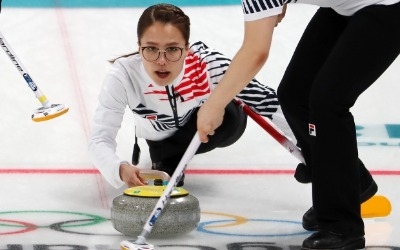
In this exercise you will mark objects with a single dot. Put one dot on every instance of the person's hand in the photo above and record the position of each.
(209, 118)
(282, 15)
(130, 175)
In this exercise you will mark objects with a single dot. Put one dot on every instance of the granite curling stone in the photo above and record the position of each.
(130, 211)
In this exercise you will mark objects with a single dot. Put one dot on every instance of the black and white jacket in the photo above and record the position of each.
(257, 9)
(128, 85)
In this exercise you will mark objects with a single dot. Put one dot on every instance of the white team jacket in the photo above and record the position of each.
(128, 85)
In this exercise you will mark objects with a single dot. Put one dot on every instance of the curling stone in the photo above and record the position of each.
(130, 211)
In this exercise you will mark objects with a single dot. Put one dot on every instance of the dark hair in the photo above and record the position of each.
(163, 13)
(167, 14)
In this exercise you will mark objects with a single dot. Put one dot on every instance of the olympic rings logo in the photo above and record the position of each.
(66, 226)
(227, 227)
(269, 225)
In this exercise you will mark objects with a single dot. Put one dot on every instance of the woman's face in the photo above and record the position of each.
(163, 37)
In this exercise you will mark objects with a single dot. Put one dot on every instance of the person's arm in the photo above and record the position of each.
(102, 142)
(259, 97)
(245, 65)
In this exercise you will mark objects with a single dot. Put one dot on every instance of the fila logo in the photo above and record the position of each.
(312, 129)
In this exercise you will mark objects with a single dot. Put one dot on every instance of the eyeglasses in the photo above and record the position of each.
(152, 54)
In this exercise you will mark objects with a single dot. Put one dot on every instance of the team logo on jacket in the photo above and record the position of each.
(312, 130)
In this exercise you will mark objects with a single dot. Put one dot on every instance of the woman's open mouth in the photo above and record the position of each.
(162, 74)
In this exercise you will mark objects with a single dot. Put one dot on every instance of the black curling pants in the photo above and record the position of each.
(167, 153)
(336, 60)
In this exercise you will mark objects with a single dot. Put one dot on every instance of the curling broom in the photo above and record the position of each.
(140, 243)
(47, 111)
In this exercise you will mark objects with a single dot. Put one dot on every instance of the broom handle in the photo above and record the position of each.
(162, 201)
(271, 129)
